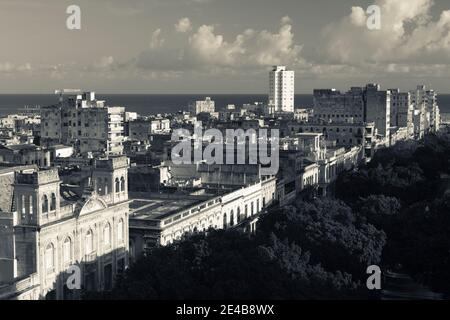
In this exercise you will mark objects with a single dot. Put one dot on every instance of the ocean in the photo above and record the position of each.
(150, 104)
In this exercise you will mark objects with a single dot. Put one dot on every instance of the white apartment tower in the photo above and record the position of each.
(426, 102)
(281, 89)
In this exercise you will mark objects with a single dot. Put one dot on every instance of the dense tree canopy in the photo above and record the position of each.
(316, 250)
(404, 191)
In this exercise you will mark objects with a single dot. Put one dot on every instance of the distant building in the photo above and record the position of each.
(83, 122)
(402, 110)
(426, 102)
(368, 104)
(281, 90)
(142, 129)
(205, 106)
(25, 154)
(343, 134)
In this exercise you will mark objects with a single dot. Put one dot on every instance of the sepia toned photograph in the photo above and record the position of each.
(220, 158)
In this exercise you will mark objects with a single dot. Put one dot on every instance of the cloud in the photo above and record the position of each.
(408, 34)
(104, 62)
(183, 25)
(207, 49)
(11, 68)
(286, 20)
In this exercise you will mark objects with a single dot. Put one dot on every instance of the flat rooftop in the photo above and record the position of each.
(143, 207)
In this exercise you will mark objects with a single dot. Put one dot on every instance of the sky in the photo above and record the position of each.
(221, 46)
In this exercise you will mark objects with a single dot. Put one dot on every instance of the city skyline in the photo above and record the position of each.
(200, 46)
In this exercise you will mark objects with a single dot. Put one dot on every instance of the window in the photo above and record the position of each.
(122, 184)
(89, 242)
(225, 221)
(117, 185)
(30, 199)
(105, 192)
(107, 235)
(99, 186)
(67, 250)
(23, 205)
(231, 218)
(50, 257)
(44, 204)
(120, 230)
(53, 202)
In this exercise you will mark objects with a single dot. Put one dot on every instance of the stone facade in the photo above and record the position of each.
(54, 229)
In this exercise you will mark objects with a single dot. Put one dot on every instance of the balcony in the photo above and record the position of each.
(90, 257)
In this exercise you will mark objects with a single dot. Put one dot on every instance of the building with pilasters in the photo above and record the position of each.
(50, 228)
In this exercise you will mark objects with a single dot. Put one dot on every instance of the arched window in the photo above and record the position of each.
(50, 257)
(44, 204)
(89, 242)
(107, 235)
(53, 202)
(117, 185)
(30, 199)
(232, 218)
(122, 184)
(120, 230)
(238, 214)
(99, 186)
(105, 192)
(67, 250)
(225, 221)
(24, 206)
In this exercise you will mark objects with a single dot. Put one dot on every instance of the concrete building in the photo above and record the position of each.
(142, 129)
(205, 106)
(281, 89)
(47, 228)
(368, 104)
(426, 101)
(25, 154)
(402, 110)
(83, 122)
(378, 108)
(338, 160)
(160, 221)
(339, 134)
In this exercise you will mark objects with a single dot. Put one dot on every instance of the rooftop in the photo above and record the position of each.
(144, 207)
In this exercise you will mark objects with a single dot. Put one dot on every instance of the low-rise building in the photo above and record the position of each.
(162, 220)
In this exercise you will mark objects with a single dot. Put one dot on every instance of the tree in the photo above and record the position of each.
(330, 231)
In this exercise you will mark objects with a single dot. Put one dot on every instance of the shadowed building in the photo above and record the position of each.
(48, 228)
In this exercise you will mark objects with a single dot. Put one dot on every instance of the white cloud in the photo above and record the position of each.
(10, 68)
(183, 25)
(408, 33)
(286, 20)
(206, 49)
(104, 62)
